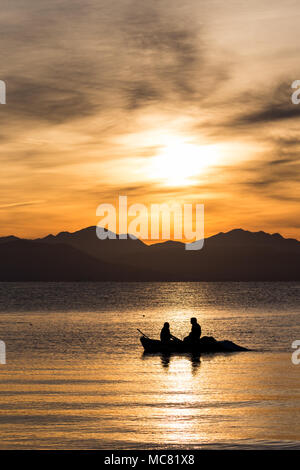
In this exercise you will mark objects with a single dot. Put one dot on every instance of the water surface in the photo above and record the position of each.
(76, 377)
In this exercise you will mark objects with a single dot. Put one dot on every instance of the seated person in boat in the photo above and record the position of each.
(195, 333)
(165, 335)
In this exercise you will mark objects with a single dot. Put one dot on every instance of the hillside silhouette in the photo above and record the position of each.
(238, 255)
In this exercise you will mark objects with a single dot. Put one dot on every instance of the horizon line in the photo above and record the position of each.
(149, 242)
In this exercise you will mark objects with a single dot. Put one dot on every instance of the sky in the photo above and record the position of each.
(160, 101)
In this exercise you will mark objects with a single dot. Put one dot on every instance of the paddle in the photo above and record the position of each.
(143, 333)
(177, 339)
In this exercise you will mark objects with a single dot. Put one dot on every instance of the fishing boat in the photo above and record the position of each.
(207, 344)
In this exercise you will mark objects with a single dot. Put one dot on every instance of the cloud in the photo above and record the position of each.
(86, 81)
(20, 204)
(70, 60)
(272, 106)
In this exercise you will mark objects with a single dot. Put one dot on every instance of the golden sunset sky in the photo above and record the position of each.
(162, 101)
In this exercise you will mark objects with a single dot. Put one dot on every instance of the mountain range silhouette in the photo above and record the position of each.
(237, 255)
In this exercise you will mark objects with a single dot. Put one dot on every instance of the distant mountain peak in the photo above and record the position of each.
(240, 236)
(8, 238)
(231, 256)
(277, 235)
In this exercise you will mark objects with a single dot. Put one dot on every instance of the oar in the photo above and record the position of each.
(177, 339)
(143, 333)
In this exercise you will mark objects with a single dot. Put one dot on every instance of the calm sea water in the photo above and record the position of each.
(76, 377)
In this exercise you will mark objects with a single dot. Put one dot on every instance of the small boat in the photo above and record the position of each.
(207, 344)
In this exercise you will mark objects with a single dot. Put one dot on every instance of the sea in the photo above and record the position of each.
(76, 376)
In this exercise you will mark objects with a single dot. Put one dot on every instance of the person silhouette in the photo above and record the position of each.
(195, 333)
(165, 334)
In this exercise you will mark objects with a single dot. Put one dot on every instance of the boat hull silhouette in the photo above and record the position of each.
(207, 344)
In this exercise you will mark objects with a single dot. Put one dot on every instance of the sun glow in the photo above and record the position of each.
(179, 162)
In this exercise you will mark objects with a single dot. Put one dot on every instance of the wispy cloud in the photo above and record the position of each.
(82, 76)
(20, 204)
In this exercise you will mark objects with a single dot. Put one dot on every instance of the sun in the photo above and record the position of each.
(179, 162)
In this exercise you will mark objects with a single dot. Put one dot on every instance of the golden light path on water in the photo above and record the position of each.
(181, 408)
(79, 379)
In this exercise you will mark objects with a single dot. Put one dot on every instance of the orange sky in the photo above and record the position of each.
(160, 101)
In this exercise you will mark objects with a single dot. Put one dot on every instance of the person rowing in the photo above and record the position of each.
(165, 334)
